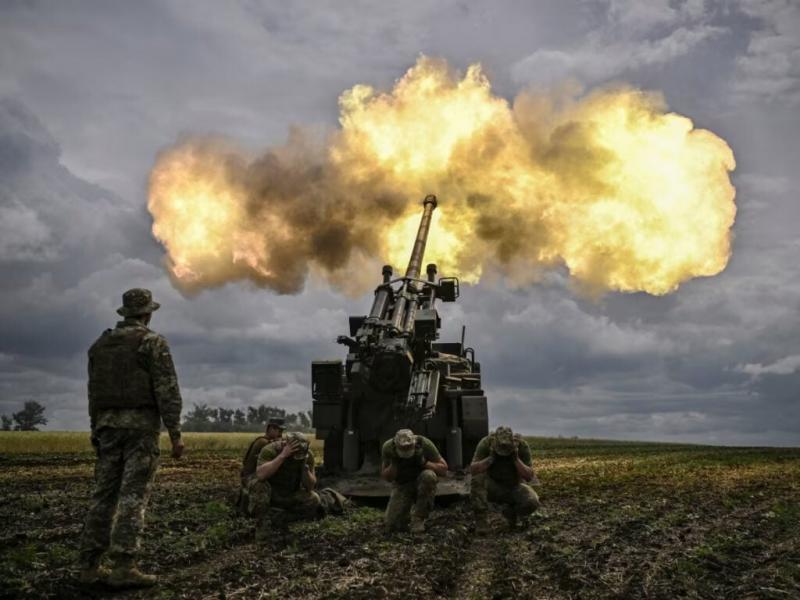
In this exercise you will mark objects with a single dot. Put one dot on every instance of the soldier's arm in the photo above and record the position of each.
(270, 467)
(388, 464)
(309, 479)
(92, 416)
(433, 460)
(91, 403)
(165, 386)
(523, 462)
(482, 459)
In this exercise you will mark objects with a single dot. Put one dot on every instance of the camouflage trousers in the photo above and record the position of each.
(127, 460)
(419, 493)
(521, 497)
(260, 497)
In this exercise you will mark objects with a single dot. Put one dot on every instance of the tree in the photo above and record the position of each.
(225, 417)
(250, 418)
(6, 423)
(31, 415)
(199, 418)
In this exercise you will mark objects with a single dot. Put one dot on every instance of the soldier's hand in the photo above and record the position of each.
(177, 448)
(289, 448)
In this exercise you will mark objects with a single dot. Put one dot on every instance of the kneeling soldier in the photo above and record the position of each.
(283, 479)
(413, 464)
(501, 468)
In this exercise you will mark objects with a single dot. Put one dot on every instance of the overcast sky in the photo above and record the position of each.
(91, 91)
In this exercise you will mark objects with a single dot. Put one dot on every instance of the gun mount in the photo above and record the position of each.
(396, 375)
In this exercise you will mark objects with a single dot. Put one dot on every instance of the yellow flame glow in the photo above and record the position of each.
(626, 195)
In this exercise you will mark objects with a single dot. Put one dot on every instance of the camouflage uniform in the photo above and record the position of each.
(501, 483)
(133, 388)
(284, 490)
(413, 485)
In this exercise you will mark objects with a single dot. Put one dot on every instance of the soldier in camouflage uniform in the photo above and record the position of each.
(275, 427)
(413, 464)
(132, 390)
(284, 479)
(501, 471)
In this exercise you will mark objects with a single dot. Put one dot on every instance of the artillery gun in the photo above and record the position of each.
(396, 375)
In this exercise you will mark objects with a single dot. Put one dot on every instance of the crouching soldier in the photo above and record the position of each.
(501, 471)
(273, 432)
(413, 464)
(284, 479)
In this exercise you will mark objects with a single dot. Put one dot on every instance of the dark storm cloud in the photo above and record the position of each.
(93, 91)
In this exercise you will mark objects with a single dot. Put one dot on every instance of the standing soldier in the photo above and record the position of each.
(132, 390)
(284, 479)
(501, 469)
(413, 464)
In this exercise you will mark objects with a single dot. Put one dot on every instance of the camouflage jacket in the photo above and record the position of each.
(289, 477)
(158, 360)
(503, 470)
(408, 469)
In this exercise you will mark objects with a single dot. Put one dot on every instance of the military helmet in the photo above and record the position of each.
(302, 444)
(503, 441)
(137, 301)
(405, 443)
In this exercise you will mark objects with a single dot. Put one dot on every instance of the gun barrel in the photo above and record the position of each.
(415, 262)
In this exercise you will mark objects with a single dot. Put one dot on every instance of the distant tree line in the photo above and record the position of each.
(28, 419)
(252, 418)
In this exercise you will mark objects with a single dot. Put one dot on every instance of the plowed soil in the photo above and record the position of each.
(618, 520)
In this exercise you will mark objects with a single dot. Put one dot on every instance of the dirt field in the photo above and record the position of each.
(619, 520)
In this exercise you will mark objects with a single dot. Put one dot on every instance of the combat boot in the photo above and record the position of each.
(511, 516)
(126, 574)
(481, 525)
(417, 525)
(94, 573)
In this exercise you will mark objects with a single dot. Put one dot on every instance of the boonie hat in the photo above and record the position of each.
(278, 422)
(503, 441)
(302, 444)
(405, 443)
(137, 301)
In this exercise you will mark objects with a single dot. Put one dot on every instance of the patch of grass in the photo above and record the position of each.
(23, 557)
(357, 518)
(218, 534)
(61, 554)
(787, 515)
(618, 520)
(216, 508)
